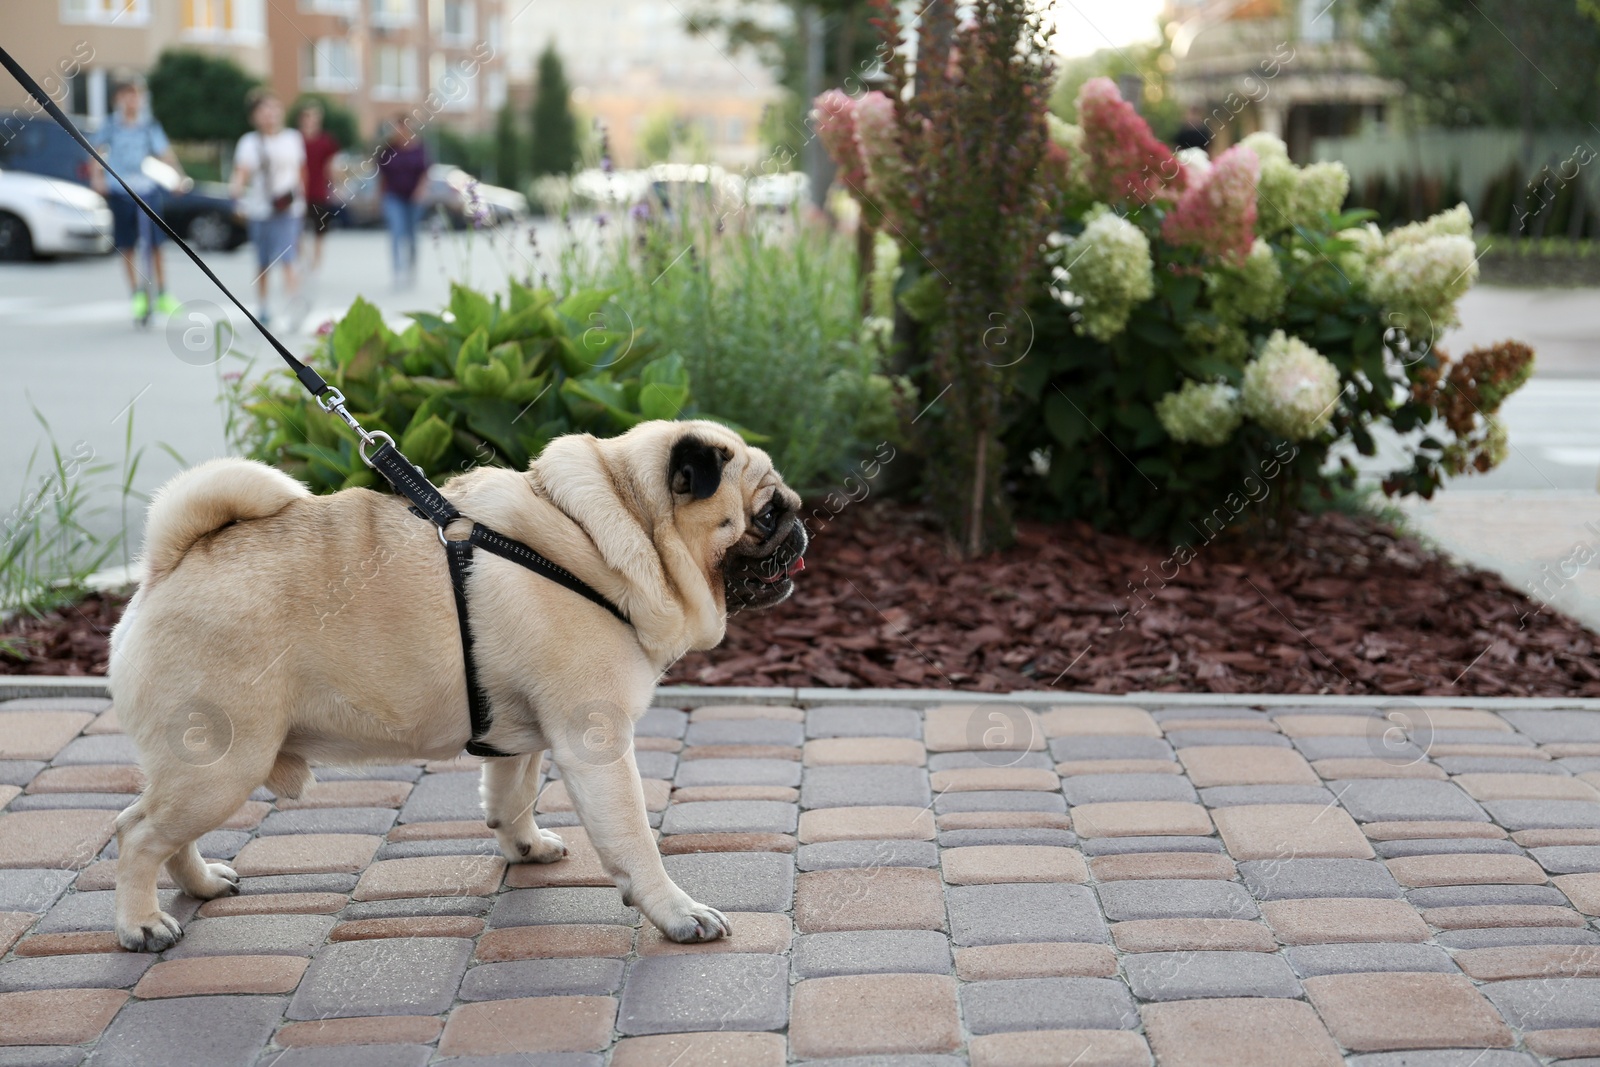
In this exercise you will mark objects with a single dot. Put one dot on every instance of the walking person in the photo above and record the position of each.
(321, 147)
(126, 139)
(403, 178)
(269, 183)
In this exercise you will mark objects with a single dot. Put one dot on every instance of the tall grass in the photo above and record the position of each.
(767, 318)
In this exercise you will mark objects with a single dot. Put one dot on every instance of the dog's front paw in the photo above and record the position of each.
(532, 846)
(152, 933)
(696, 922)
(220, 881)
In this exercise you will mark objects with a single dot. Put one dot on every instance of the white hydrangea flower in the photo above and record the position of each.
(1323, 187)
(1267, 147)
(1070, 138)
(1196, 161)
(1291, 388)
(1456, 222)
(1253, 290)
(1109, 271)
(1200, 413)
(1419, 282)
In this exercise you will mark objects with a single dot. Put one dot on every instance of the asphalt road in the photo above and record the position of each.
(69, 351)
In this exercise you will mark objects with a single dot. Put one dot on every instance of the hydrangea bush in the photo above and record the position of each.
(1208, 330)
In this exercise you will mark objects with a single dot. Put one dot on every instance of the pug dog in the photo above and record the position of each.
(275, 630)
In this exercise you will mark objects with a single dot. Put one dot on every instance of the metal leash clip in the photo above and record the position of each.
(333, 402)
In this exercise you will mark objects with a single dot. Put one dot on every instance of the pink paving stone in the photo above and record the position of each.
(39, 734)
(215, 975)
(718, 1049)
(62, 839)
(1320, 725)
(1050, 959)
(69, 943)
(982, 727)
(275, 904)
(555, 796)
(431, 876)
(1092, 720)
(1582, 889)
(8, 793)
(1441, 748)
(580, 867)
(856, 1015)
(57, 1016)
(441, 831)
(694, 794)
(13, 924)
(1382, 1012)
(408, 926)
(89, 778)
(1238, 1032)
(1499, 916)
(1290, 831)
(1526, 787)
(742, 712)
(1546, 838)
(1192, 935)
(753, 931)
(988, 864)
(351, 794)
(1465, 869)
(1562, 1044)
(106, 722)
(529, 1024)
(789, 752)
(869, 898)
(102, 875)
(840, 751)
(1333, 920)
(657, 744)
(1210, 765)
(369, 1030)
(1260, 726)
(1530, 961)
(866, 824)
(555, 941)
(248, 817)
(1052, 1048)
(975, 779)
(306, 854)
(1463, 719)
(1343, 769)
(1421, 830)
(1003, 820)
(686, 844)
(1117, 766)
(1562, 749)
(1140, 865)
(1141, 818)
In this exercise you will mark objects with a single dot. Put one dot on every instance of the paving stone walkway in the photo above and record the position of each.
(918, 886)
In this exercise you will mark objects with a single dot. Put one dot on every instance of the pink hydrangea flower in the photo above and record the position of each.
(835, 117)
(878, 141)
(1126, 162)
(1219, 213)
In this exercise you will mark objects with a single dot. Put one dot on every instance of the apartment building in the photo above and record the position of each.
(431, 60)
(77, 49)
(632, 63)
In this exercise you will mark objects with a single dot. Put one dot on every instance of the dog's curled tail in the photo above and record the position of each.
(207, 498)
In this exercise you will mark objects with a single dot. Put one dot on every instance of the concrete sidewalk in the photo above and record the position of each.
(1187, 881)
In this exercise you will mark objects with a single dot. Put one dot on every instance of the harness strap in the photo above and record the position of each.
(517, 552)
(459, 553)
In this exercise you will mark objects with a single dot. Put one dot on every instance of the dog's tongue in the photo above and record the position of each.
(788, 572)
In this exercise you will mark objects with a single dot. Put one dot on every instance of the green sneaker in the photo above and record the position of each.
(141, 305)
(166, 304)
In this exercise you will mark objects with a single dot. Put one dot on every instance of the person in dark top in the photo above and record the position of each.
(1193, 133)
(403, 180)
(321, 147)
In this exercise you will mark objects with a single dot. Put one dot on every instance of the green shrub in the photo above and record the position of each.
(768, 325)
(488, 381)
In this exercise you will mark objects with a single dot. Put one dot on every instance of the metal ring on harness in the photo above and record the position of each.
(367, 437)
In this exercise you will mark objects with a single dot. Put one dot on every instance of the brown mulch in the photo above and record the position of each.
(70, 640)
(1343, 606)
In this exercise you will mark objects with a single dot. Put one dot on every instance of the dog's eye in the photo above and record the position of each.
(767, 519)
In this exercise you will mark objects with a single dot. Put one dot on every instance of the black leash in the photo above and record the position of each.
(403, 476)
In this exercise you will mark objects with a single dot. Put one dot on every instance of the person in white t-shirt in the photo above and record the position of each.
(269, 185)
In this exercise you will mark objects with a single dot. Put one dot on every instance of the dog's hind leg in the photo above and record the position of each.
(510, 790)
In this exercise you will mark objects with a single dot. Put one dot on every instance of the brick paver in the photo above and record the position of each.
(929, 886)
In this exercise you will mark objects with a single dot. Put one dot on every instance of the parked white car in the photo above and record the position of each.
(46, 217)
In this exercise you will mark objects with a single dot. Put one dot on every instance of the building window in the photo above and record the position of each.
(394, 73)
(222, 20)
(393, 12)
(330, 66)
(493, 36)
(106, 12)
(1318, 20)
(347, 8)
(458, 21)
(454, 86)
(495, 93)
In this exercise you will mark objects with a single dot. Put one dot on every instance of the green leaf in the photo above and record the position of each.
(358, 325)
(471, 309)
(669, 370)
(491, 380)
(474, 352)
(496, 422)
(658, 400)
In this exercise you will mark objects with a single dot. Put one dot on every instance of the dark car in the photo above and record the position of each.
(203, 215)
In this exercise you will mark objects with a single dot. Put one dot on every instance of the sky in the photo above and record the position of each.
(1085, 26)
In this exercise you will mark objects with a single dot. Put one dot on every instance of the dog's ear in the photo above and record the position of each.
(695, 468)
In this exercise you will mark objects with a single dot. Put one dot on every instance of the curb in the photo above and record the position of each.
(13, 687)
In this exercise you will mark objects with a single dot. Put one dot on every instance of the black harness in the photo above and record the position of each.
(404, 477)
